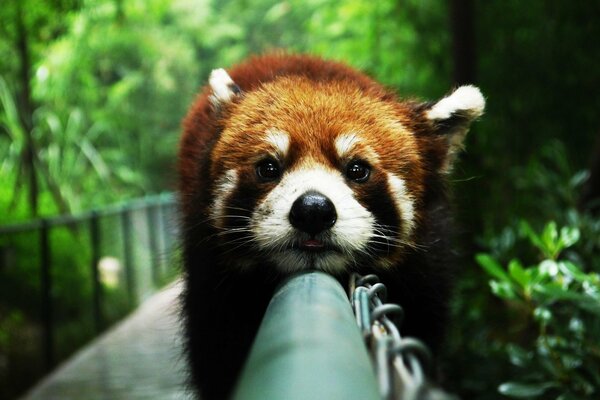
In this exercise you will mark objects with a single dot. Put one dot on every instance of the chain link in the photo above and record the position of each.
(402, 365)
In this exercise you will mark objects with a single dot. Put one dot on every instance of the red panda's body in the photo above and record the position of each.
(290, 163)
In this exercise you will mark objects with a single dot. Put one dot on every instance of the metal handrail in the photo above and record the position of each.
(308, 347)
(71, 219)
(314, 343)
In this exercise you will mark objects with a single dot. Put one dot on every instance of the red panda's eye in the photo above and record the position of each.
(268, 170)
(358, 171)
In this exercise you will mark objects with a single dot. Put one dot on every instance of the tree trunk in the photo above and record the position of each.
(26, 111)
(463, 41)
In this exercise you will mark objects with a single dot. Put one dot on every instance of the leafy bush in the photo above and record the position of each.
(531, 330)
(556, 303)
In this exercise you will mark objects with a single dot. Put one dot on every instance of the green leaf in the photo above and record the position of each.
(518, 356)
(579, 178)
(518, 273)
(503, 289)
(550, 240)
(491, 266)
(570, 269)
(533, 237)
(552, 292)
(569, 236)
(525, 390)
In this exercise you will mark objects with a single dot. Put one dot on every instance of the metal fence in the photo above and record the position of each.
(127, 252)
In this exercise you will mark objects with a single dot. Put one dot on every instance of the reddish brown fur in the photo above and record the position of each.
(329, 99)
(317, 92)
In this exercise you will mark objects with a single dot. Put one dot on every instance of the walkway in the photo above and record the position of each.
(140, 358)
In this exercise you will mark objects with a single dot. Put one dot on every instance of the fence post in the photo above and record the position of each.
(152, 241)
(128, 257)
(160, 237)
(46, 298)
(166, 233)
(97, 285)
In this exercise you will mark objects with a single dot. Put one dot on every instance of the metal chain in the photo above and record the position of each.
(401, 364)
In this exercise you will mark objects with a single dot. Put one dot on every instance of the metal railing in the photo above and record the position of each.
(311, 345)
(308, 347)
(152, 217)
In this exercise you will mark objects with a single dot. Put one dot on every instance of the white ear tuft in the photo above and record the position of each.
(223, 87)
(466, 101)
(451, 118)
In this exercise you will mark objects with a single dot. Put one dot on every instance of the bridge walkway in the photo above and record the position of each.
(139, 358)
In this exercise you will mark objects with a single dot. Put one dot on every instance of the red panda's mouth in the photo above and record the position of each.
(315, 246)
(312, 245)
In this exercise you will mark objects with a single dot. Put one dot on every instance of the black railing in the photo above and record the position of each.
(137, 235)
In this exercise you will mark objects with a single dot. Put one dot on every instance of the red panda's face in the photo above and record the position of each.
(316, 176)
(322, 175)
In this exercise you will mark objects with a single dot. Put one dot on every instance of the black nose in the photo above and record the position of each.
(313, 213)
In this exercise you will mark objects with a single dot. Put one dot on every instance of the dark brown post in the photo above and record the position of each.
(128, 257)
(46, 298)
(153, 242)
(97, 285)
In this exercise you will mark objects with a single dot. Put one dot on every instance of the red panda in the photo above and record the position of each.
(290, 163)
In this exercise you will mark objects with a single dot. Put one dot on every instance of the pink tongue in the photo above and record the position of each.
(312, 244)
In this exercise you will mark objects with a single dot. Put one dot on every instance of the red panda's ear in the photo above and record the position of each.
(223, 88)
(451, 117)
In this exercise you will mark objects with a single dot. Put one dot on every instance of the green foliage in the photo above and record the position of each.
(533, 333)
(13, 144)
(109, 94)
(558, 305)
(134, 77)
(42, 21)
(400, 43)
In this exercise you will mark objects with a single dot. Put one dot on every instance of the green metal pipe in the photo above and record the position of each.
(308, 347)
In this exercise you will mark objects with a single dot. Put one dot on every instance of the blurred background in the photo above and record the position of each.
(92, 93)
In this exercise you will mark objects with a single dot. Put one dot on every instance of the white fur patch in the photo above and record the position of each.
(274, 233)
(404, 204)
(223, 189)
(467, 100)
(221, 84)
(345, 143)
(280, 141)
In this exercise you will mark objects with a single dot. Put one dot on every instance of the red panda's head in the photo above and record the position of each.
(319, 173)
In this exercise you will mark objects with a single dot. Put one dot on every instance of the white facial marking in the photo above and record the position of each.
(221, 84)
(223, 189)
(275, 234)
(466, 99)
(279, 140)
(345, 143)
(404, 204)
